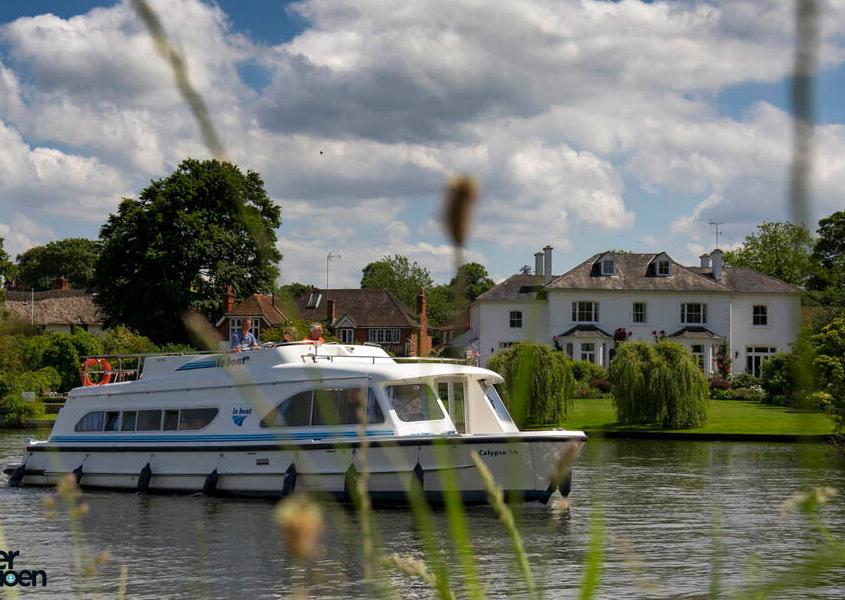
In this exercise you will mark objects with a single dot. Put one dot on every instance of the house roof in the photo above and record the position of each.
(740, 279)
(695, 331)
(584, 331)
(367, 307)
(515, 287)
(54, 307)
(635, 272)
(258, 305)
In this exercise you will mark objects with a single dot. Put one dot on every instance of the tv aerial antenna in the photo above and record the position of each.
(715, 225)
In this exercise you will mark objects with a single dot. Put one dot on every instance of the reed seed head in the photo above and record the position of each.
(460, 196)
(301, 524)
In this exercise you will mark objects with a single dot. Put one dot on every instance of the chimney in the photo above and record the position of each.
(424, 343)
(62, 283)
(547, 264)
(538, 263)
(705, 260)
(716, 257)
(330, 312)
(228, 300)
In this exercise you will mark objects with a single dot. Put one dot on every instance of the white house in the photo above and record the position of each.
(616, 296)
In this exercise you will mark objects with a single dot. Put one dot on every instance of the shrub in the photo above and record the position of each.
(585, 371)
(538, 384)
(602, 385)
(122, 340)
(752, 393)
(744, 380)
(65, 354)
(717, 383)
(13, 407)
(658, 383)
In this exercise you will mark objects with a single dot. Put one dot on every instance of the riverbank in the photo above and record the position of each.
(729, 420)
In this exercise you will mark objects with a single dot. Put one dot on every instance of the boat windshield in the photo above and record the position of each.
(496, 402)
(414, 402)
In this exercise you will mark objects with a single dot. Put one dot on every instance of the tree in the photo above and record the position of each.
(398, 275)
(828, 278)
(5, 270)
(780, 250)
(295, 290)
(205, 226)
(658, 383)
(538, 386)
(72, 258)
(829, 361)
(471, 280)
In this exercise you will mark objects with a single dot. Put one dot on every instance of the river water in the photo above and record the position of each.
(672, 511)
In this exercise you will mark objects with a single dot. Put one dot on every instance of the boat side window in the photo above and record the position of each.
(293, 412)
(496, 401)
(93, 421)
(340, 406)
(414, 402)
(129, 419)
(196, 418)
(149, 420)
(112, 420)
(171, 420)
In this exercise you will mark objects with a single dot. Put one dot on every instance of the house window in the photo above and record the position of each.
(698, 354)
(384, 336)
(760, 315)
(346, 335)
(639, 315)
(664, 268)
(235, 325)
(693, 313)
(588, 351)
(516, 319)
(755, 356)
(608, 266)
(570, 349)
(585, 312)
(313, 300)
(505, 345)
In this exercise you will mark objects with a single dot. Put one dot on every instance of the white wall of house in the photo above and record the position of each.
(729, 315)
(783, 323)
(494, 325)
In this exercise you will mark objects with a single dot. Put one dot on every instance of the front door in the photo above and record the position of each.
(452, 393)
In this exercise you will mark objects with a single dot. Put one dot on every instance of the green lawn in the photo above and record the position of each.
(726, 417)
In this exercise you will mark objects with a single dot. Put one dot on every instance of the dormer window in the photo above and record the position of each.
(314, 300)
(664, 268)
(608, 266)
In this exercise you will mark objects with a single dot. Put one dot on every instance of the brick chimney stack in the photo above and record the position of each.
(424, 344)
(330, 312)
(228, 300)
(62, 283)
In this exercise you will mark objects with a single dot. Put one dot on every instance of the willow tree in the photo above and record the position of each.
(659, 383)
(538, 383)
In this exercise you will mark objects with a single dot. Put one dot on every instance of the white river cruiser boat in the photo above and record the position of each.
(290, 417)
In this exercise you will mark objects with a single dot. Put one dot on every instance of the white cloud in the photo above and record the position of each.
(22, 233)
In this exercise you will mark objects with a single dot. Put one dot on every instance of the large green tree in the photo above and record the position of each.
(176, 247)
(72, 258)
(777, 249)
(398, 275)
(5, 269)
(471, 280)
(828, 278)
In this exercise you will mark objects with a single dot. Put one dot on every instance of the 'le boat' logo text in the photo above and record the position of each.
(23, 577)
(239, 415)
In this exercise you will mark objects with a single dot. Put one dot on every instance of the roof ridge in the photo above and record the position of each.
(590, 260)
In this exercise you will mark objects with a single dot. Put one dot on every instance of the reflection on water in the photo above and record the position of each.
(660, 500)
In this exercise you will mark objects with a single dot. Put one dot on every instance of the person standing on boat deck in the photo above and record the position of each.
(315, 334)
(243, 339)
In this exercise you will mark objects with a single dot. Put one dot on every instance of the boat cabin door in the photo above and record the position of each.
(453, 394)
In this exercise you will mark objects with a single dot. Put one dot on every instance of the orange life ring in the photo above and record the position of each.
(94, 362)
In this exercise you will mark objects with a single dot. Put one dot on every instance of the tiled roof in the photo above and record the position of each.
(515, 287)
(54, 307)
(635, 272)
(258, 304)
(695, 331)
(741, 279)
(368, 307)
(584, 331)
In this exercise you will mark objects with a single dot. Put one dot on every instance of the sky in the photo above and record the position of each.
(589, 125)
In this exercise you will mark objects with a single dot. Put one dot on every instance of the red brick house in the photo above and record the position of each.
(365, 315)
(261, 308)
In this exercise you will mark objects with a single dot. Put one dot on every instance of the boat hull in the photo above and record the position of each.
(522, 465)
